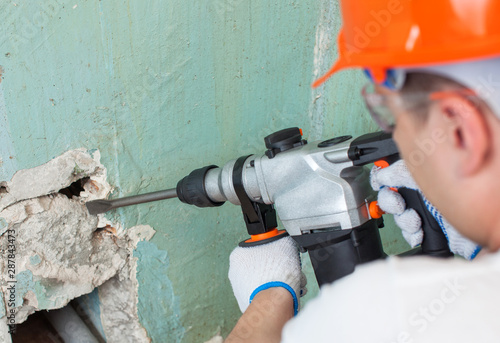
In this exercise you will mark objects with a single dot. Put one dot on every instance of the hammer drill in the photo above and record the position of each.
(320, 191)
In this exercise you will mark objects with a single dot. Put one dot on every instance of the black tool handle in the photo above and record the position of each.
(434, 242)
(377, 146)
(335, 254)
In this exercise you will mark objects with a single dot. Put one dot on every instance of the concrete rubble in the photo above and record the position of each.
(62, 252)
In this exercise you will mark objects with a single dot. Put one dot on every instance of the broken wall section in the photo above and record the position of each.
(59, 251)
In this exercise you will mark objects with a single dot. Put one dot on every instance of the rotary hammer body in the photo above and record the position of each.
(321, 193)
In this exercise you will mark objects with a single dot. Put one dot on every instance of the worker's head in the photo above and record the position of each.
(435, 68)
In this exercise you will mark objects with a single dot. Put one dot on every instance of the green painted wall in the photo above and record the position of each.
(161, 88)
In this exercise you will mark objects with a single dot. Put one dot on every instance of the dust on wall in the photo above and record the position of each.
(59, 251)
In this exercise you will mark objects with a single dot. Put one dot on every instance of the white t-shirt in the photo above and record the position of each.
(406, 300)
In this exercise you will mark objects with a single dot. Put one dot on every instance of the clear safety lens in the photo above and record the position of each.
(385, 104)
(379, 105)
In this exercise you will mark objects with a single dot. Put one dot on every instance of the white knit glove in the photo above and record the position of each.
(397, 175)
(275, 264)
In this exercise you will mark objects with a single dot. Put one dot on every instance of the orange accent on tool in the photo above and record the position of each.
(266, 235)
(375, 211)
(301, 133)
(382, 164)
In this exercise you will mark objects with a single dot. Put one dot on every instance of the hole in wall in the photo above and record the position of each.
(106, 229)
(97, 256)
(36, 329)
(75, 188)
(99, 230)
(58, 326)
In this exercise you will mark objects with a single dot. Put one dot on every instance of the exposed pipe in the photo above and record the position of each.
(70, 326)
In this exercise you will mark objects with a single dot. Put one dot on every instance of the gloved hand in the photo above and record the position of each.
(275, 264)
(397, 175)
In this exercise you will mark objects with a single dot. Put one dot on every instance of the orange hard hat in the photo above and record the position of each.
(382, 34)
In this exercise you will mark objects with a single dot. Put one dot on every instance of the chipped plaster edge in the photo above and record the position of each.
(127, 285)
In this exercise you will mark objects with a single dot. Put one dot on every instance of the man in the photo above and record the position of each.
(434, 82)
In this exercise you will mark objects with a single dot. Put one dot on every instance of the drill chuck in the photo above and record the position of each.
(191, 189)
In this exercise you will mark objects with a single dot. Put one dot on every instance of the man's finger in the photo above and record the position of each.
(396, 175)
(390, 201)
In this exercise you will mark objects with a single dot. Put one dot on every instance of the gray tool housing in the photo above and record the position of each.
(314, 189)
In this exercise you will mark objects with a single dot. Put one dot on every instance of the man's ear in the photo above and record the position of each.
(468, 130)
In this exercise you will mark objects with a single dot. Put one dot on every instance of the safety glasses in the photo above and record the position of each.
(385, 104)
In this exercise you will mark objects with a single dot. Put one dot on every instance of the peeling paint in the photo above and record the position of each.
(119, 296)
(60, 252)
(59, 230)
(34, 260)
(24, 285)
(52, 176)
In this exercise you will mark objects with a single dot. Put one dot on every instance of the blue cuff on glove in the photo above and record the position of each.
(439, 218)
(278, 284)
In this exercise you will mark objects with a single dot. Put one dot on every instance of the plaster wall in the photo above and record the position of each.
(161, 88)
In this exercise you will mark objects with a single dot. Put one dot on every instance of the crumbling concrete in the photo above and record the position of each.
(118, 296)
(62, 252)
